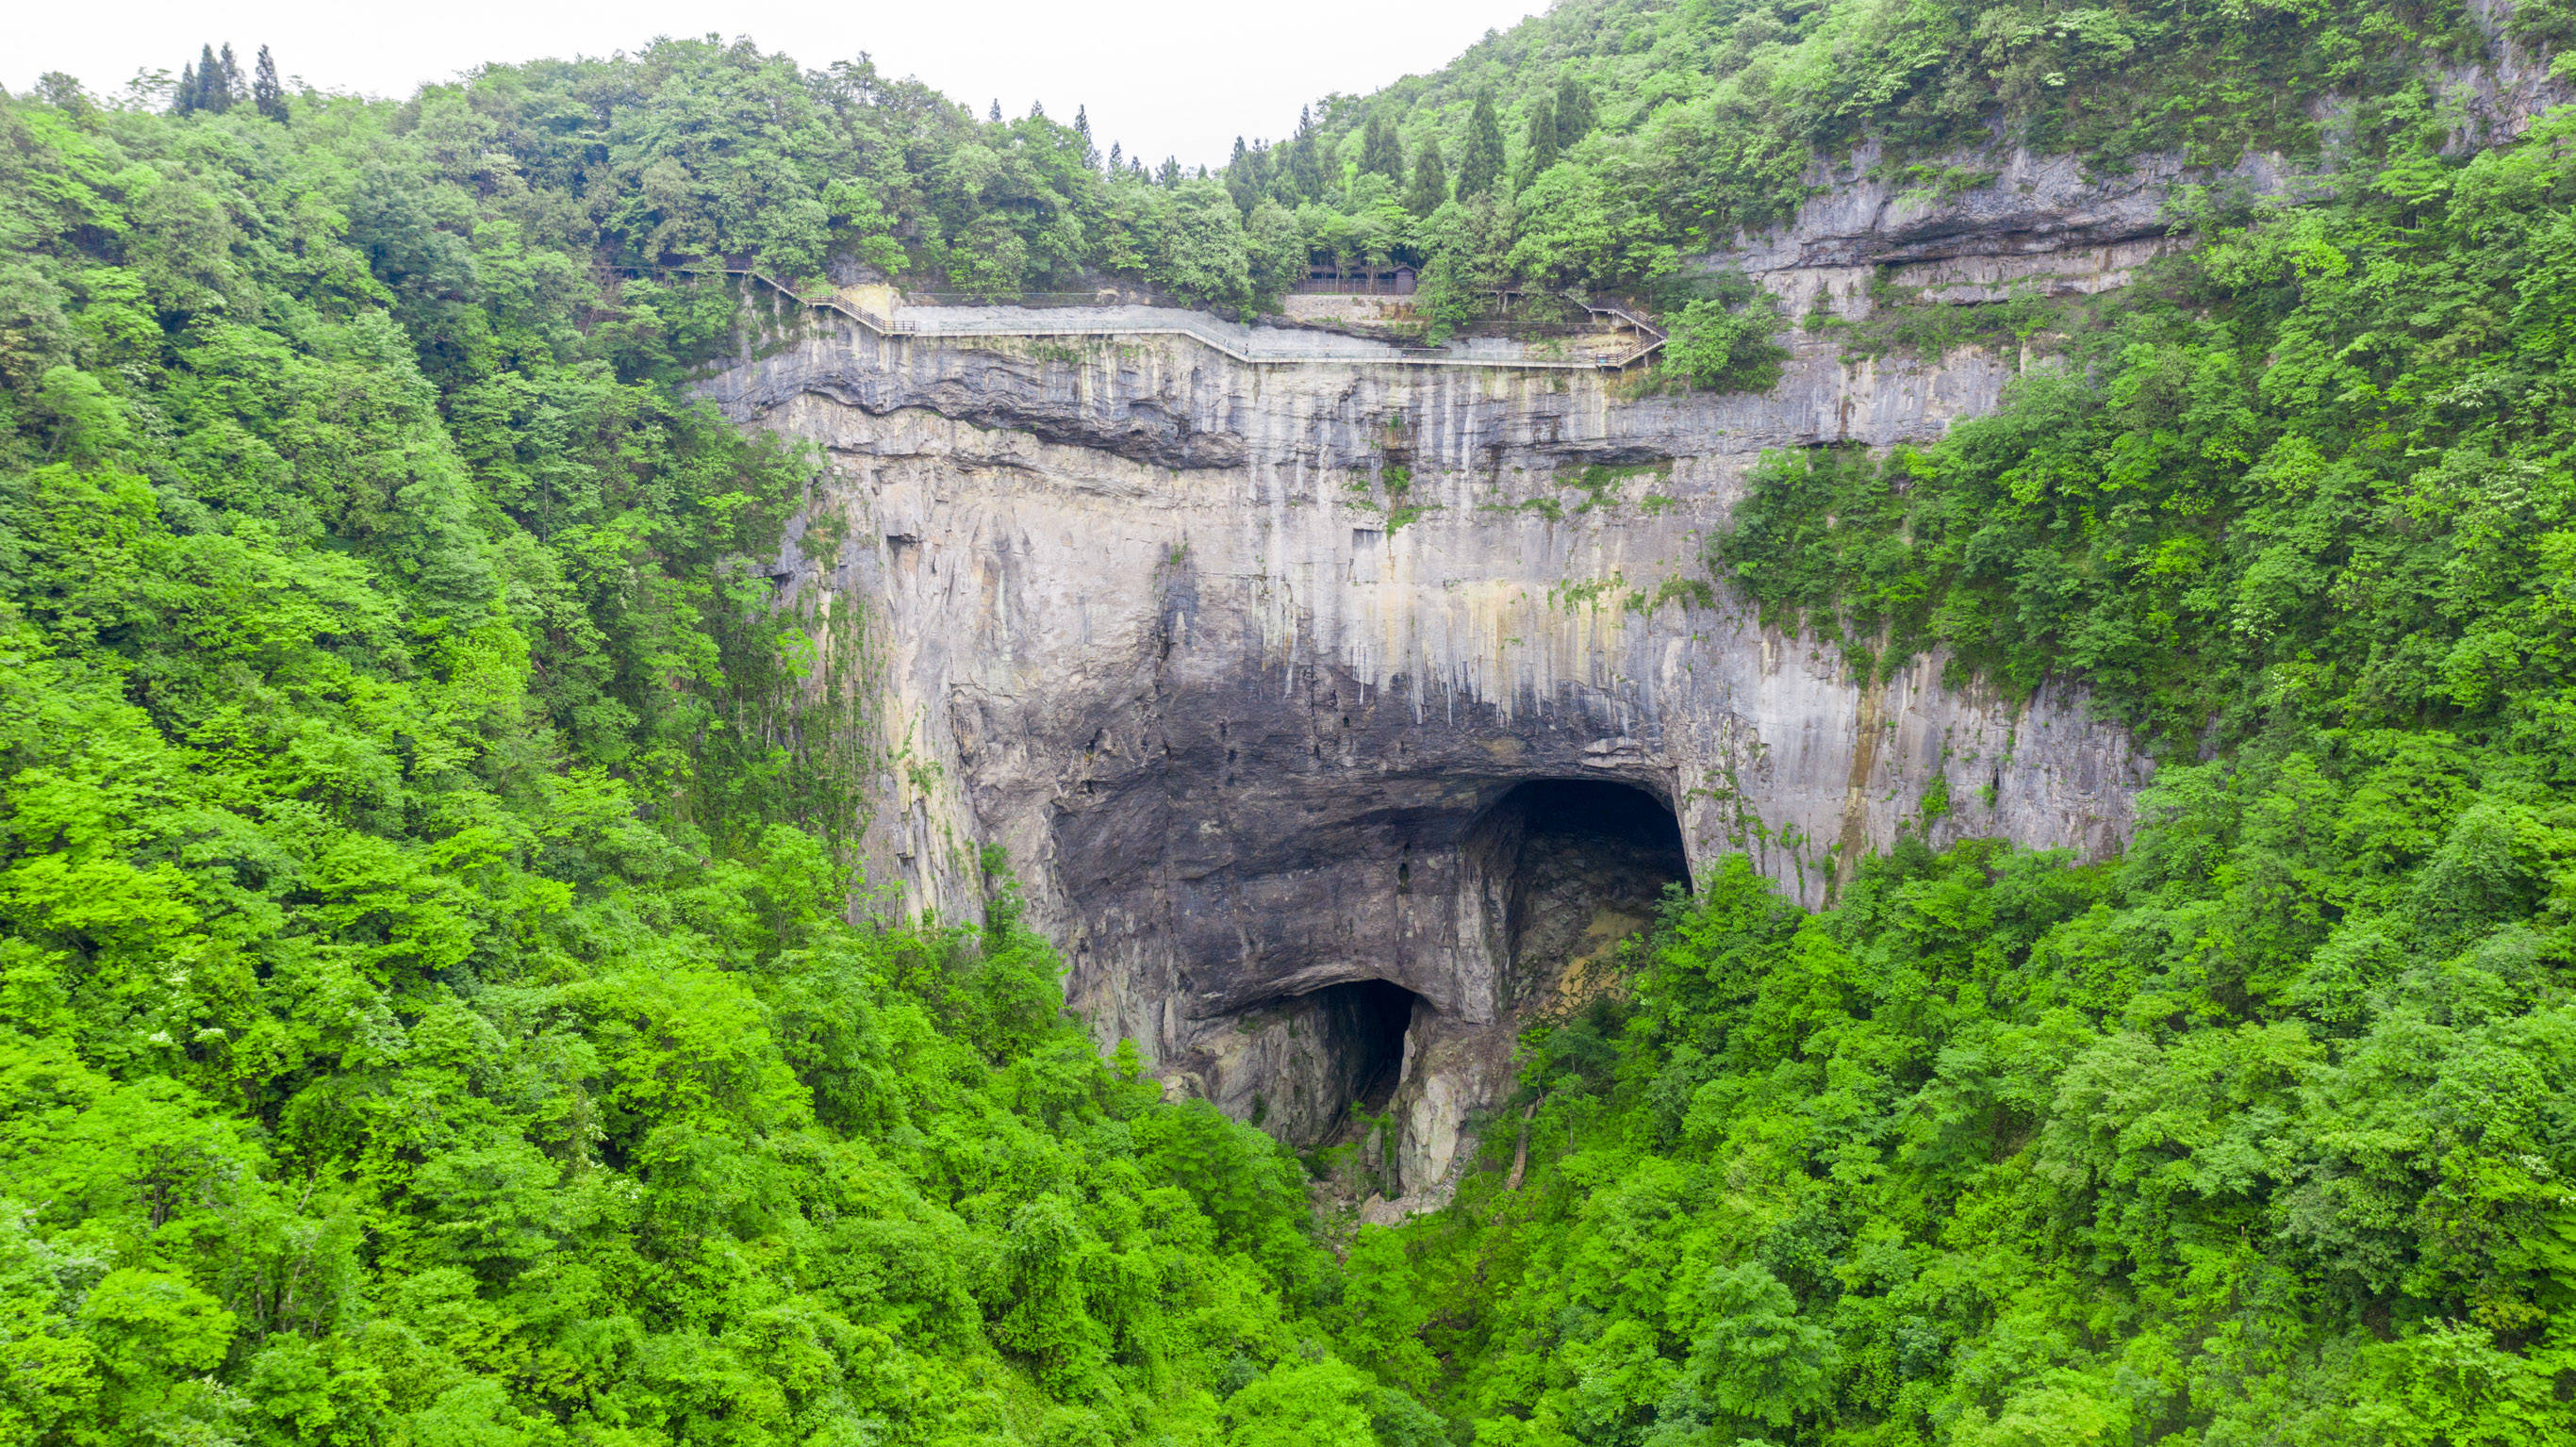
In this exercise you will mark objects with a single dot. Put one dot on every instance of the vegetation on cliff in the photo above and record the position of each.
(2261, 1133)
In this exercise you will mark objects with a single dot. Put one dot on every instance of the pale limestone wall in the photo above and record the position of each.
(1145, 621)
(1349, 309)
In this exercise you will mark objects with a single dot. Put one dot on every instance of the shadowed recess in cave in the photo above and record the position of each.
(1589, 861)
(1367, 1020)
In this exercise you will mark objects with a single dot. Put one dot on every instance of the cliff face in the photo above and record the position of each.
(1251, 646)
(1247, 663)
(1238, 661)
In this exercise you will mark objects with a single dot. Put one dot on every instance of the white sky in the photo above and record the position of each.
(1163, 76)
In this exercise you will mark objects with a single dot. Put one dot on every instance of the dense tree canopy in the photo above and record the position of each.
(428, 1008)
(2261, 1133)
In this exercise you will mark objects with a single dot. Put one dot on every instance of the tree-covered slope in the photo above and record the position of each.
(1599, 144)
(426, 1012)
(2263, 1133)
(426, 1009)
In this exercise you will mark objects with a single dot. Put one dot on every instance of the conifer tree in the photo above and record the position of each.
(1305, 178)
(1430, 180)
(233, 87)
(994, 116)
(1242, 181)
(1538, 151)
(207, 85)
(1382, 150)
(1574, 113)
(1480, 165)
(265, 92)
(184, 99)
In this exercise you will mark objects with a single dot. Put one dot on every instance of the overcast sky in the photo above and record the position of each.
(1163, 76)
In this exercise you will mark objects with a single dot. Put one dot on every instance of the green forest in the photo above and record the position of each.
(430, 1009)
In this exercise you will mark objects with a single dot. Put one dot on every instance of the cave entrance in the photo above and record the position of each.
(1586, 862)
(1363, 1024)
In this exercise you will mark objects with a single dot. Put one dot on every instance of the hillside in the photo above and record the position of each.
(442, 999)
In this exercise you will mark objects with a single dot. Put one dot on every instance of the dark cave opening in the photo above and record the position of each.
(1366, 1021)
(1588, 861)
(1621, 815)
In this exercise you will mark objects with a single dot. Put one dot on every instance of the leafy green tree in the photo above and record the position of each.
(1754, 1359)
(1202, 256)
(1575, 231)
(1723, 348)
(1382, 150)
(1384, 1311)
(1307, 1404)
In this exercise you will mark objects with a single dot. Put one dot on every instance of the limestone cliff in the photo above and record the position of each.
(1241, 640)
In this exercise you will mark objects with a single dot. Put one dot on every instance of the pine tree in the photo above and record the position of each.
(1305, 179)
(1082, 128)
(1480, 165)
(184, 99)
(1171, 176)
(233, 88)
(212, 94)
(1574, 115)
(1382, 150)
(995, 116)
(1539, 149)
(1430, 180)
(1242, 181)
(1037, 110)
(1117, 159)
(265, 92)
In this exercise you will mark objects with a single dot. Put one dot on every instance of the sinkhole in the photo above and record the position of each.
(1364, 1022)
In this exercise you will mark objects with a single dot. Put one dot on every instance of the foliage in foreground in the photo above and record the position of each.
(2006, 1151)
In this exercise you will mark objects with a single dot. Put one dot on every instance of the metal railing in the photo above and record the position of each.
(1106, 296)
(1649, 336)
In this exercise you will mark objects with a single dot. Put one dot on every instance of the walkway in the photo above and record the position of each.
(1252, 346)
